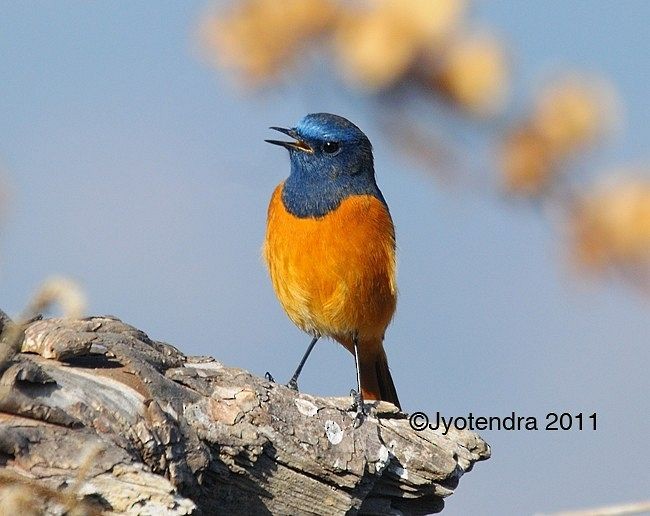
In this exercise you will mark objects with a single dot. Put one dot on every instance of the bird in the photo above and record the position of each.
(330, 248)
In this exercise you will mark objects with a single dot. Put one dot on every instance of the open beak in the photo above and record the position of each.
(298, 144)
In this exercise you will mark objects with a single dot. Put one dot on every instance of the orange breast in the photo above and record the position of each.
(334, 275)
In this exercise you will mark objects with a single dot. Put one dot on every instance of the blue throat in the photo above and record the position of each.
(311, 192)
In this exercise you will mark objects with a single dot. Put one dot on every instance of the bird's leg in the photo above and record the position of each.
(358, 395)
(293, 383)
(269, 377)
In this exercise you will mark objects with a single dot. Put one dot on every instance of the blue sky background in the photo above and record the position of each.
(142, 173)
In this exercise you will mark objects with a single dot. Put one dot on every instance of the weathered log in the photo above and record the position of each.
(96, 416)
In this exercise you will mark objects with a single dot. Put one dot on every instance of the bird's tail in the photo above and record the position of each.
(376, 381)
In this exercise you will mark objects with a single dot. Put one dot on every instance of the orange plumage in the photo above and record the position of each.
(335, 276)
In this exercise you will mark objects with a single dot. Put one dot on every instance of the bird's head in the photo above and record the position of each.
(331, 159)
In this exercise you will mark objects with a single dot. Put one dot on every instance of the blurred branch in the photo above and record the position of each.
(376, 45)
(610, 510)
(570, 114)
(54, 290)
(431, 50)
(259, 39)
(57, 290)
(610, 227)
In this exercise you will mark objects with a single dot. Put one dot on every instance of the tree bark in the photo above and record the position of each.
(95, 416)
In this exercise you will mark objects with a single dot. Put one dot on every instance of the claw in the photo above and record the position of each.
(293, 385)
(268, 377)
(37, 317)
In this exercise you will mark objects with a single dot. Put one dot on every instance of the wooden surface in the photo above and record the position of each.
(95, 416)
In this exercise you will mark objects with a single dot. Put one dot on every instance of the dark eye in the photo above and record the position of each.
(331, 147)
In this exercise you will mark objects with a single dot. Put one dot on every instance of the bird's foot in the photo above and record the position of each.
(269, 377)
(359, 406)
(293, 385)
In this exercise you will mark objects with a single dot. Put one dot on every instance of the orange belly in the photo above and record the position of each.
(334, 275)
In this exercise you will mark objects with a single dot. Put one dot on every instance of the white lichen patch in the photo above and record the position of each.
(333, 431)
(306, 408)
(383, 459)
